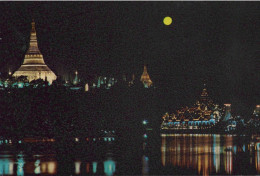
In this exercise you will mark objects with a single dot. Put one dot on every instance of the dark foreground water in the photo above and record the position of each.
(175, 154)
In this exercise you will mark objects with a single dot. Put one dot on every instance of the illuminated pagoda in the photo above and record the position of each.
(145, 78)
(33, 65)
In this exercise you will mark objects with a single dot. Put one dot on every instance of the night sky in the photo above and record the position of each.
(216, 42)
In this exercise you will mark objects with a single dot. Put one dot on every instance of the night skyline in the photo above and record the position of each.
(212, 41)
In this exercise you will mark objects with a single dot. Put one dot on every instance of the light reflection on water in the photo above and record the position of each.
(206, 153)
(6, 166)
(21, 167)
(145, 167)
(198, 153)
(109, 167)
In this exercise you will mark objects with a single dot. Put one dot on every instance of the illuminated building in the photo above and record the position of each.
(228, 112)
(145, 78)
(104, 82)
(255, 120)
(202, 115)
(230, 121)
(257, 111)
(33, 65)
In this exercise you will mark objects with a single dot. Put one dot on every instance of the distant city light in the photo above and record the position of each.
(145, 136)
(86, 87)
(20, 85)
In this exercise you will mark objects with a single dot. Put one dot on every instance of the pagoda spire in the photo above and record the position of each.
(204, 97)
(33, 54)
(145, 78)
(33, 47)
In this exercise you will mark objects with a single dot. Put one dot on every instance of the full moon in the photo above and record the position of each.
(167, 20)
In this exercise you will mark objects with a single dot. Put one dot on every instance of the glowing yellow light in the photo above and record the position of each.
(167, 20)
(52, 167)
(77, 167)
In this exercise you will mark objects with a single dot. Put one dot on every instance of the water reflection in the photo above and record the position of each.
(20, 164)
(94, 167)
(180, 154)
(257, 161)
(145, 170)
(6, 166)
(88, 167)
(109, 167)
(39, 166)
(207, 154)
(77, 167)
(48, 166)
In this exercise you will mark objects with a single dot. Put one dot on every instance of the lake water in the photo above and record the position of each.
(171, 154)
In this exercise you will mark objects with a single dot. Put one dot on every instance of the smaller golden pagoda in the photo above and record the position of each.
(145, 78)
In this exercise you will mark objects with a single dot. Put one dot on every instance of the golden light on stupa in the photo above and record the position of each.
(167, 21)
(33, 65)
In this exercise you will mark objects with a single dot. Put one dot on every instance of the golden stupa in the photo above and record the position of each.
(145, 78)
(33, 65)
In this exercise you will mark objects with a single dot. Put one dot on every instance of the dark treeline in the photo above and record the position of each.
(59, 112)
